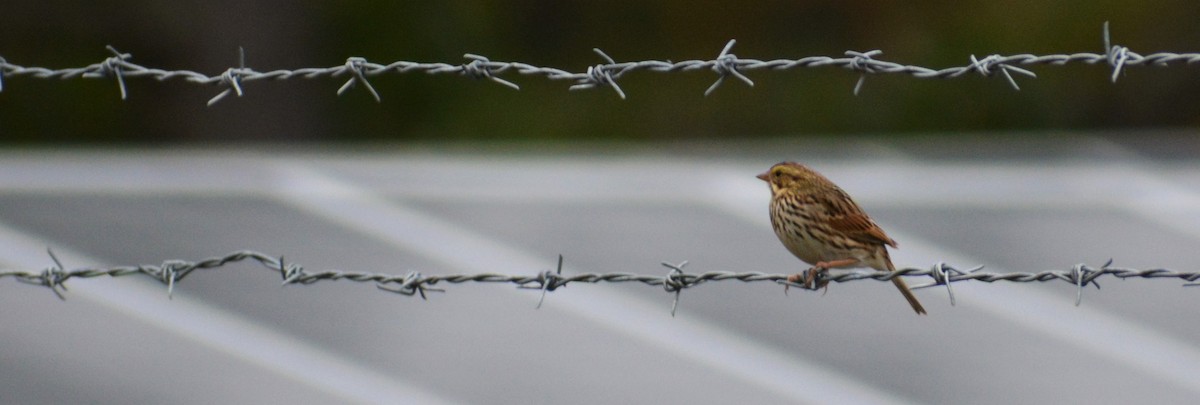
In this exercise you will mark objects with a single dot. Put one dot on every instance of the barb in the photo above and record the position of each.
(601, 75)
(548, 281)
(112, 66)
(480, 68)
(1116, 55)
(53, 277)
(726, 64)
(233, 78)
(357, 67)
(985, 68)
(675, 282)
(940, 273)
(862, 61)
(172, 272)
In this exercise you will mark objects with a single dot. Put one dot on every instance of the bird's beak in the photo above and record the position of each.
(763, 176)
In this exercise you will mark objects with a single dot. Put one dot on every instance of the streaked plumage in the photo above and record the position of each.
(820, 224)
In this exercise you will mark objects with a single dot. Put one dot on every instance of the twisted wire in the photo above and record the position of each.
(606, 74)
(170, 272)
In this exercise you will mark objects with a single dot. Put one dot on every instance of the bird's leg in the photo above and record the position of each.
(812, 278)
(812, 275)
(807, 278)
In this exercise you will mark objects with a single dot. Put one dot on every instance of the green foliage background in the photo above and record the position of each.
(204, 36)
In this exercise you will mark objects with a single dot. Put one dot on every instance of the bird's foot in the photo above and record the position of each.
(812, 279)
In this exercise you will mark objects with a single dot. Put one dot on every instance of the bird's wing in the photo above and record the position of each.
(846, 217)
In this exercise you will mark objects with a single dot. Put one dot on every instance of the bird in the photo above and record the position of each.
(821, 225)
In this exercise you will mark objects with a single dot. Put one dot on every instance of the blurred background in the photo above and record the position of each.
(204, 36)
(455, 176)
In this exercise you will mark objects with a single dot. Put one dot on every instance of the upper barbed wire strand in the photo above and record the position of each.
(726, 64)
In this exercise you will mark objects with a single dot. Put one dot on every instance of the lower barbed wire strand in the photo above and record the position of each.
(173, 272)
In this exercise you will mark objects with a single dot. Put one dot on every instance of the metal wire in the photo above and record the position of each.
(602, 75)
(171, 272)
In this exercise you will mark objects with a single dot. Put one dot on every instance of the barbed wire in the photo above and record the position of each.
(606, 74)
(170, 272)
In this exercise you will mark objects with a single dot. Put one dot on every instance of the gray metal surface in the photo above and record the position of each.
(1021, 203)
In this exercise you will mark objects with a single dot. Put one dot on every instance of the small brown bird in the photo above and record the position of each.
(821, 225)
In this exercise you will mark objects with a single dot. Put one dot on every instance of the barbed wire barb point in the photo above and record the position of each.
(599, 75)
(724, 65)
(943, 275)
(861, 61)
(940, 272)
(169, 275)
(1082, 275)
(289, 272)
(1115, 54)
(549, 281)
(985, 65)
(675, 281)
(356, 66)
(940, 277)
(233, 78)
(480, 67)
(112, 67)
(412, 284)
(55, 277)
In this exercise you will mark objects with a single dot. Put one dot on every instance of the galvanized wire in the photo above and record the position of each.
(171, 272)
(603, 75)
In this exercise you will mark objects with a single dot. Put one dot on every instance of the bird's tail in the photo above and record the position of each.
(899, 282)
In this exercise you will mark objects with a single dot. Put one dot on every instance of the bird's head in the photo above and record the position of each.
(793, 176)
